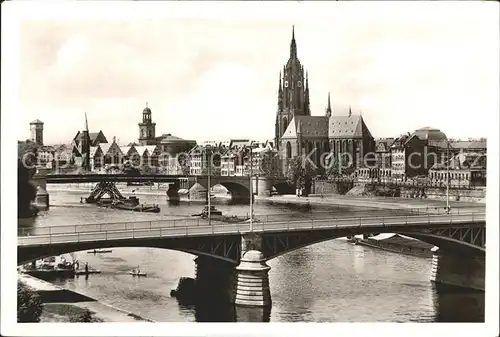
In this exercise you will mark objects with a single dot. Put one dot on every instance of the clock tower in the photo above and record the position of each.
(147, 128)
(293, 92)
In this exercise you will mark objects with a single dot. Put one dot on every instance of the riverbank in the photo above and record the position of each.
(369, 202)
(60, 304)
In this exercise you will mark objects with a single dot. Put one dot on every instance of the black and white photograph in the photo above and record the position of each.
(250, 162)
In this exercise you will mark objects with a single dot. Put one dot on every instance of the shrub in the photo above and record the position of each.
(83, 317)
(29, 304)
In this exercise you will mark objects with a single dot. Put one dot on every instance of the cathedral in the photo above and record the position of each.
(298, 133)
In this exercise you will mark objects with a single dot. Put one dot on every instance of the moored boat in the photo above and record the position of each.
(87, 272)
(119, 204)
(102, 251)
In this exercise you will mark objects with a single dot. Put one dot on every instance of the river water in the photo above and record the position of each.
(332, 281)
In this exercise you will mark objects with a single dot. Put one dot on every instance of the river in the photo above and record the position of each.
(332, 281)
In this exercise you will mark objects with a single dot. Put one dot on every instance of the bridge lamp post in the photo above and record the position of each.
(251, 190)
(209, 164)
(448, 177)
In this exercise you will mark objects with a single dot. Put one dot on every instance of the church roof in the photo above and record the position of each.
(310, 126)
(169, 138)
(37, 121)
(352, 126)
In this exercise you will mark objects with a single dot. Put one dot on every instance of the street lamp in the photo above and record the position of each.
(251, 190)
(209, 163)
(448, 176)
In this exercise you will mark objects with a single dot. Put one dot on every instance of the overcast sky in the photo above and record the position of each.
(404, 65)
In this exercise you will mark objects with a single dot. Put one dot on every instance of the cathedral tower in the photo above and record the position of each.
(293, 92)
(147, 128)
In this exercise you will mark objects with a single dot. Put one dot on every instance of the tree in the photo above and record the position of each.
(300, 173)
(183, 162)
(84, 317)
(29, 304)
(270, 165)
(337, 167)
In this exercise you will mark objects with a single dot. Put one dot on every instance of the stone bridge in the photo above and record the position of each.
(238, 187)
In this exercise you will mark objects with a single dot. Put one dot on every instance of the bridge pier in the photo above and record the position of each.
(458, 269)
(262, 186)
(173, 192)
(42, 198)
(252, 285)
(215, 278)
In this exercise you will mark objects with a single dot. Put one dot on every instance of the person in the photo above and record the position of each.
(86, 267)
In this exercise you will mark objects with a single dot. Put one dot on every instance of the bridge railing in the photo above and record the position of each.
(54, 234)
(318, 215)
(185, 221)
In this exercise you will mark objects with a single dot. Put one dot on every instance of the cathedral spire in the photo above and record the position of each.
(350, 111)
(329, 107)
(280, 89)
(86, 123)
(293, 45)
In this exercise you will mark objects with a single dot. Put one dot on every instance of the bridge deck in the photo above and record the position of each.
(185, 228)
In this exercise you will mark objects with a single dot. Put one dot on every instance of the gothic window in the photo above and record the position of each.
(285, 124)
(288, 150)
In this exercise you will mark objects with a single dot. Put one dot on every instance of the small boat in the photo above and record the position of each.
(118, 204)
(204, 212)
(102, 251)
(87, 272)
(137, 273)
(235, 219)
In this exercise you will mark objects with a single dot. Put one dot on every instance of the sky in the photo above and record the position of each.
(214, 77)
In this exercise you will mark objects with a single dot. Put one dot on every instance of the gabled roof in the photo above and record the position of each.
(105, 147)
(150, 148)
(92, 135)
(94, 150)
(383, 144)
(310, 126)
(125, 149)
(352, 126)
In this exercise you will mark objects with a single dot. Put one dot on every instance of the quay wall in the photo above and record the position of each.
(406, 192)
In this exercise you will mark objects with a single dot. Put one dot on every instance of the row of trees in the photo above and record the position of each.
(301, 171)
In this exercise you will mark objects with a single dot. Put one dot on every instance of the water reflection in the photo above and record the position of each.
(458, 305)
(252, 314)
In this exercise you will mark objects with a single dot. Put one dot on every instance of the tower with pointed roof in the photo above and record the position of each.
(86, 146)
(328, 110)
(147, 128)
(293, 92)
(36, 132)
